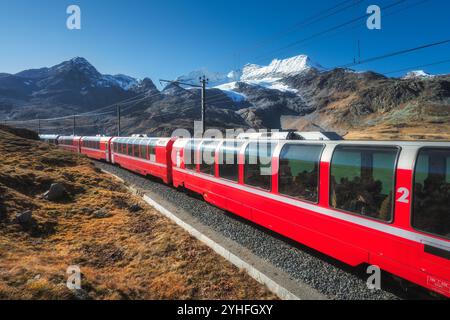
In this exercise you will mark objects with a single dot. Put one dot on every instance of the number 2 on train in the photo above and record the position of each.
(404, 195)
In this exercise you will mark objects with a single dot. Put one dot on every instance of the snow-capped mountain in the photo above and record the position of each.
(85, 72)
(252, 73)
(279, 68)
(418, 74)
(214, 78)
(269, 77)
(71, 86)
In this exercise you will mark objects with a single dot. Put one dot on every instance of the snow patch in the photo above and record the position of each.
(120, 80)
(272, 83)
(229, 90)
(214, 78)
(418, 74)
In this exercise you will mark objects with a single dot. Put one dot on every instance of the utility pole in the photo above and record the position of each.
(73, 132)
(203, 81)
(359, 51)
(118, 121)
(39, 126)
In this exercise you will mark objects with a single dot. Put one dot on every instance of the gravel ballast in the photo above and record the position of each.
(328, 276)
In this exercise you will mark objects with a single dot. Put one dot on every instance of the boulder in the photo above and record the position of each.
(24, 218)
(56, 192)
(135, 208)
(101, 214)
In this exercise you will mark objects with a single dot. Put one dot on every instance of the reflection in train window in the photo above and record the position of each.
(298, 173)
(143, 151)
(136, 149)
(431, 209)
(130, 149)
(362, 180)
(190, 155)
(228, 160)
(258, 164)
(208, 151)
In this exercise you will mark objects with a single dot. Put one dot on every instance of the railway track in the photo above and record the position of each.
(303, 265)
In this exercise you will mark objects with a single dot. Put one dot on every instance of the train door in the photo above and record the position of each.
(431, 214)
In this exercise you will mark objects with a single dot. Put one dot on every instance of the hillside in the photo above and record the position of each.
(369, 105)
(125, 249)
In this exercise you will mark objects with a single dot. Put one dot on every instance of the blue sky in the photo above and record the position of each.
(167, 38)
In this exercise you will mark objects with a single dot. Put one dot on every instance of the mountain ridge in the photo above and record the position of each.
(294, 93)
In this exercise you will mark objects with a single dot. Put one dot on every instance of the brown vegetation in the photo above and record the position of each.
(122, 254)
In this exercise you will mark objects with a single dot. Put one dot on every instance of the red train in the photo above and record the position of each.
(380, 203)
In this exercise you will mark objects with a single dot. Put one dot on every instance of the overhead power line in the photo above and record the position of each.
(322, 15)
(388, 14)
(94, 112)
(331, 29)
(418, 66)
(396, 53)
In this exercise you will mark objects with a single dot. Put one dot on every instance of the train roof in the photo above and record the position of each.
(332, 142)
(291, 135)
(48, 136)
(95, 138)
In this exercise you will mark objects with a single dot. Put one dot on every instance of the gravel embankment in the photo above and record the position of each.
(330, 277)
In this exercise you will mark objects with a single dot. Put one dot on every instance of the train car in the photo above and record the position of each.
(379, 203)
(49, 138)
(96, 147)
(70, 143)
(146, 156)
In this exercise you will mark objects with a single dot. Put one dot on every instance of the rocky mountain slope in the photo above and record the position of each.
(294, 93)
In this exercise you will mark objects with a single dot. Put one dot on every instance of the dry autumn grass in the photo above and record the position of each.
(425, 131)
(122, 256)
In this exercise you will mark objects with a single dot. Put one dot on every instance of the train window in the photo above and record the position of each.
(298, 173)
(431, 212)
(363, 179)
(143, 151)
(136, 149)
(130, 148)
(258, 164)
(228, 160)
(190, 155)
(208, 151)
(124, 148)
(152, 150)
